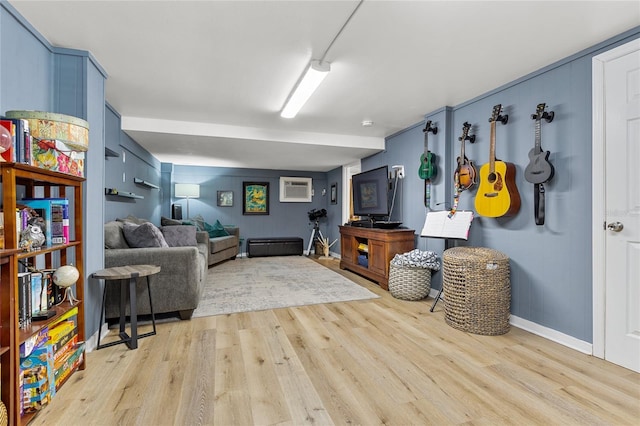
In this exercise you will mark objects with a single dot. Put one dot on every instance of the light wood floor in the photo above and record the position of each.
(381, 361)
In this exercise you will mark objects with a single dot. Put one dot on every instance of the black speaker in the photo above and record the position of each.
(176, 211)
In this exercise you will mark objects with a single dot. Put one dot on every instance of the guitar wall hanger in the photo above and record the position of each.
(430, 128)
(504, 119)
(470, 138)
(547, 116)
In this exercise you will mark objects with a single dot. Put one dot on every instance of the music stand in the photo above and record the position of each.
(444, 224)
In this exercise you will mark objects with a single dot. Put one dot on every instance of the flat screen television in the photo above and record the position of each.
(371, 193)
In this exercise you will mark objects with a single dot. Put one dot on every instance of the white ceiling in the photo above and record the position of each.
(202, 82)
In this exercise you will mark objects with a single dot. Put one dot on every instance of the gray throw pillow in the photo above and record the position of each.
(165, 221)
(132, 219)
(145, 235)
(113, 236)
(180, 235)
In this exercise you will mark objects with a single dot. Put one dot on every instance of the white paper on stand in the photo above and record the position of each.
(440, 225)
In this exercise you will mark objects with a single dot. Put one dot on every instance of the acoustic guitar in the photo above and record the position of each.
(539, 169)
(466, 174)
(497, 193)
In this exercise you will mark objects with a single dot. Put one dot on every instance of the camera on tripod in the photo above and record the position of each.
(316, 214)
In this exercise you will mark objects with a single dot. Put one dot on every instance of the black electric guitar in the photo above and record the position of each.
(539, 169)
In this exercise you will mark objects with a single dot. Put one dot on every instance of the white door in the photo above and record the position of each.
(620, 132)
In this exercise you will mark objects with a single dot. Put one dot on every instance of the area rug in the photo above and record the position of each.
(260, 283)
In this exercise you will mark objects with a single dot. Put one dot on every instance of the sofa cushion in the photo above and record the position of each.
(179, 235)
(221, 243)
(145, 235)
(113, 236)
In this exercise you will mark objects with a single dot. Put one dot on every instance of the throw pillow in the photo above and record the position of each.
(145, 235)
(216, 230)
(132, 219)
(180, 235)
(192, 223)
(113, 236)
(165, 221)
(199, 222)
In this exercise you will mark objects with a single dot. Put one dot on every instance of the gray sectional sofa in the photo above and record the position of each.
(184, 265)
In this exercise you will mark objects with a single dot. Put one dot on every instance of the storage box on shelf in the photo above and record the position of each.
(16, 175)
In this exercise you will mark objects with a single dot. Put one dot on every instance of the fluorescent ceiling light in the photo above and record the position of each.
(311, 79)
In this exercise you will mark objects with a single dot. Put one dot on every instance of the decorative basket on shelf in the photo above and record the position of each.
(409, 282)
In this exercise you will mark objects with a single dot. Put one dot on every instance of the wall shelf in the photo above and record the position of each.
(145, 183)
(115, 193)
(110, 153)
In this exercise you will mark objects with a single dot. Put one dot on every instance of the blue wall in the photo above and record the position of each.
(551, 264)
(284, 219)
(133, 161)
(36, 76)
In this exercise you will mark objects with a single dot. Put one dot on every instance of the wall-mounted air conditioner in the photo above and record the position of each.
(295, 190)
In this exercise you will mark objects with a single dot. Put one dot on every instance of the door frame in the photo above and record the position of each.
(348, 170)
(598, 208)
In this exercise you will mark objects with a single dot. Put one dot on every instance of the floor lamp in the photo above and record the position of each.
(187, 190)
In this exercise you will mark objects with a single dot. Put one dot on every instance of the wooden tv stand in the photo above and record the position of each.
(381, 245)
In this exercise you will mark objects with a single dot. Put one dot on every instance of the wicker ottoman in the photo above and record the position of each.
(477, 290)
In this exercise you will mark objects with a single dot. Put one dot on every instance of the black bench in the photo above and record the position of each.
(279, 246)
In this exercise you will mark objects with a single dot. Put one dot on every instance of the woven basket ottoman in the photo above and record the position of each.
(477, 290)
(409, 283)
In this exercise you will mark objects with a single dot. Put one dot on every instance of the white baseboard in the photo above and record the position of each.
(92, 342)
(553, 335)
(542, 331)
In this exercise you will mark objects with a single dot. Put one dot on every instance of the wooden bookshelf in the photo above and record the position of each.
(13, 176)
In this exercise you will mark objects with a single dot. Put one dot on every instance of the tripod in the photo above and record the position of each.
(315, 229)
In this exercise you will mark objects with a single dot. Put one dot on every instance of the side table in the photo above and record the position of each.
(124, 273)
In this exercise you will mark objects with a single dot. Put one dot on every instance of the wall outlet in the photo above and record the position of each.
(399, 171)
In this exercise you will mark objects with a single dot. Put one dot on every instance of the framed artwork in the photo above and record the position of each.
(255, 198)
(334, 193)
(225, 198)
